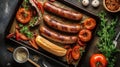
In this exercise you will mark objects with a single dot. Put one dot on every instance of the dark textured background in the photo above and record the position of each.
(7, 8)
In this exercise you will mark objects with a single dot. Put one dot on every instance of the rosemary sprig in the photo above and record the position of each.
(106, 33)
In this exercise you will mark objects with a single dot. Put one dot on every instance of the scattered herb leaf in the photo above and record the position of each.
(25, 30)
(32, 22)
(20, 25)
(25, 4)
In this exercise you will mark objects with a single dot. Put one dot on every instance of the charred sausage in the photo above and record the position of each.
(70, 28)
(62, 12)
(57, 37)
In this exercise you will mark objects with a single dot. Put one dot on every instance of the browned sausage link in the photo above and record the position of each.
(52, 35)
(70, 28)
(62, 12)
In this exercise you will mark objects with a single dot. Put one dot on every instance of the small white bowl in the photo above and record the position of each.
(21, 51)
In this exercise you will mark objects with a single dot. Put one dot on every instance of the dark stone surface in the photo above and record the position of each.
(7, 8)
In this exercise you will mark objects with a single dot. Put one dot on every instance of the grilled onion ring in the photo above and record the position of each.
(89, 23)
(85, 35)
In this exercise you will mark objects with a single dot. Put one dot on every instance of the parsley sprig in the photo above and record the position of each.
(106, 34)
(25, 30)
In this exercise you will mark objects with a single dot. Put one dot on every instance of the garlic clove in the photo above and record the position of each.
(95, 3)
(85, 2)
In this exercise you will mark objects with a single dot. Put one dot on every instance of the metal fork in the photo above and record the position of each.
(116, 38)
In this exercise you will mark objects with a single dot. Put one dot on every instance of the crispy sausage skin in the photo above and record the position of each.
(58, 25)
(62, 12)
(52, 35)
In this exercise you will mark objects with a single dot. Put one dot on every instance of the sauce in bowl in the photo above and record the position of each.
(21, 54)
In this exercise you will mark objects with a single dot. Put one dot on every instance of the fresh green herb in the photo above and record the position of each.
(78, 0)
(25, 30)
(82, 50)
(106, 33)
(31, 23)
(26, 1)
(25, 15)
(25, 4)
(20, 25)
(29, 34)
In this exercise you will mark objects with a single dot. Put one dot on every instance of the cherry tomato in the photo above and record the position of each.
(98, 60)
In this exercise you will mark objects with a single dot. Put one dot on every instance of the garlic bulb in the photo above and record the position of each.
(95, 3)
(85, 2)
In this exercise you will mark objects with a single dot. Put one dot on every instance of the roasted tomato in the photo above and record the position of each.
(76, 52)
(23, 15)
(69, 56)
(98, 60)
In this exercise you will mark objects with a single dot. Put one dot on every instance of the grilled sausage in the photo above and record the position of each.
(57, 37)
(70, 28)
(62, 12)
